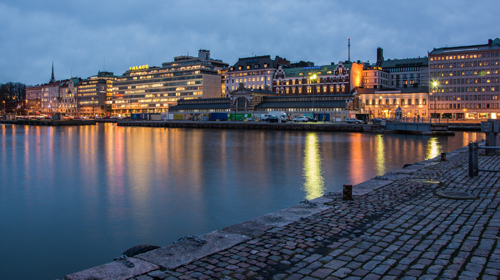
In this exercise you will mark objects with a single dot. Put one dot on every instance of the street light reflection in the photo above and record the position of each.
(314, 184)
(380, 155)
(433, 149)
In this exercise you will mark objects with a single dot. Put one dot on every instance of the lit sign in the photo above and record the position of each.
(139, 67)
(314, 67)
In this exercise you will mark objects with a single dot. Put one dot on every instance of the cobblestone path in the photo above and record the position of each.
(400, 231)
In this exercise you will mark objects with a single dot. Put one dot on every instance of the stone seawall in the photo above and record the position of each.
(255, 125)
(408, 223)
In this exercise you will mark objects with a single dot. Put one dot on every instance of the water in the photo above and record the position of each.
(76, 197)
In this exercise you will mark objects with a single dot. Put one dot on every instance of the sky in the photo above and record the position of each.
(84, 37)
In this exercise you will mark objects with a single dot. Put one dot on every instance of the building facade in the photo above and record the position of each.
(253, 72)
(67, 96)
(375, 77)
(50, 94)
(147, 89)
(95, 94)
(382, 103)
(318, 80)
(33, 95)
(465, 81)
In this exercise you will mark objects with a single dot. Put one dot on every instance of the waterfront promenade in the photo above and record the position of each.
(407, 224)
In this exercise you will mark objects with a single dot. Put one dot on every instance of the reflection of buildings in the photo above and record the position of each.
(314, 184)
(382, 103)
(467, 81)
(145, 89)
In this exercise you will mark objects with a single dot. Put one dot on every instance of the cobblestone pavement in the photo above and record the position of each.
(400, 231)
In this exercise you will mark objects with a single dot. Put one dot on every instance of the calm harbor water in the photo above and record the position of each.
(76, 197)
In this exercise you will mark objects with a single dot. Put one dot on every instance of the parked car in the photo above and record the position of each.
(350, 120)
(271, 119)
(312, 119)
(300, 119)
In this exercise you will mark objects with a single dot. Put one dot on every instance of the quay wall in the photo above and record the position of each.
(255, 125)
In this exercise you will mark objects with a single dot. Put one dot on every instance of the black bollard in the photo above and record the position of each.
(443, 156)
(347, 192)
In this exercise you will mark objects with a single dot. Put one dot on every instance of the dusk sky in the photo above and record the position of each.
(83, 37)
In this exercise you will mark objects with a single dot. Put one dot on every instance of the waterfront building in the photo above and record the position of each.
(408, 72)
(339, 78)
(255, 72)
(50, 94)
(465, 81)
(145, 89)
(33, 95)
(95, 94)
(67, 96)
(375, 77)
(382, 103)
(254, 101)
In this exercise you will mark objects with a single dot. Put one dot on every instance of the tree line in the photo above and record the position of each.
(12, 91)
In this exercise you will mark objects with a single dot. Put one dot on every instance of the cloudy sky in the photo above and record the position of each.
(83, 37)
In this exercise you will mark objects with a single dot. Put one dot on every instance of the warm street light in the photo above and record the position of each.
(434, 86)
(313, 80)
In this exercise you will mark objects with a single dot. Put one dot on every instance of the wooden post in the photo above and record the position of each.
(347, 192)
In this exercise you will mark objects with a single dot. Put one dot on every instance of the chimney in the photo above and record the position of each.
(380, 56)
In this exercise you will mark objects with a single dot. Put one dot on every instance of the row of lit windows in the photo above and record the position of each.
(405, 69)
(466, 56)
(470, 81)
(310, 81)
(248, 74)
(465, 97)
(249, 80)
(298, 90)
(465, 64)
(466, 106)
(466, 89)
(395, 101)
(465, 73)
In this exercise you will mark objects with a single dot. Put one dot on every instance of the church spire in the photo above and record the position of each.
(52, 79)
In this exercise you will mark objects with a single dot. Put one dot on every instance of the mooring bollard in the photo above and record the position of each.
(443, 156)
(347, 192)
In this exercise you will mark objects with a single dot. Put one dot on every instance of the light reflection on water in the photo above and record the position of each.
(314, 184)
(76, 197)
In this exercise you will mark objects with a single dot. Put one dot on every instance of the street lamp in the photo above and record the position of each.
(434, 86)
(313, 80)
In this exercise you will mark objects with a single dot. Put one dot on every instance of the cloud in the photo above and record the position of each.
(84, 37)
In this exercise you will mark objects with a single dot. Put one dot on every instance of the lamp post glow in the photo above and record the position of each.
(434, 86)
(313, 80)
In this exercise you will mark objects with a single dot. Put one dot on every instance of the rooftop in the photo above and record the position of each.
(491, 45)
